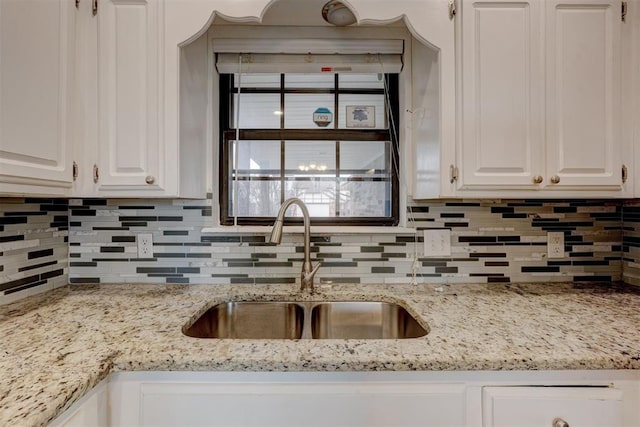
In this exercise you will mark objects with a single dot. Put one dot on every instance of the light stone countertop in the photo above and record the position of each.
(57, 346)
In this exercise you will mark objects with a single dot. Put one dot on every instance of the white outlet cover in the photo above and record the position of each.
(145, 245)
(555, 244)
(437, 242)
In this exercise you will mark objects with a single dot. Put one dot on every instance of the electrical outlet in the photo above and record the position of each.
(437, 242)
(145, 245)
(555, 244)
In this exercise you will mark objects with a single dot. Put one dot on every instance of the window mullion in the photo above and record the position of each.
(282, 142)
(335, 126)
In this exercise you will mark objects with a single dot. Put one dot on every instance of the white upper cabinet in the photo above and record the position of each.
(503, 94)
(131, 147)
(121, 145)
(583, 93)
(36, 64)
(541, 98)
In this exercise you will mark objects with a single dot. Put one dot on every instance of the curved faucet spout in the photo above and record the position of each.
(308, 271)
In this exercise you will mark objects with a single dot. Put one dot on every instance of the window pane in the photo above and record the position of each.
(258, 158)
(299, 109)
(360, 81)
(365, 198)
(365, 111)
(256, 81)
(364, 158)
(256, 198)
(257, 111)
(309, 81)
(319, 196)
(308, 158)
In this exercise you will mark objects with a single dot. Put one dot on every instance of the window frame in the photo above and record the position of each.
(227, 133)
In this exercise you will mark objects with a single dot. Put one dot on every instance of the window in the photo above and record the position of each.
(328, 139)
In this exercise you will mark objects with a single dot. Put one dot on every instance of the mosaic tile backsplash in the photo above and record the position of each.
(33, 246)
(492, 241)
(631, 242)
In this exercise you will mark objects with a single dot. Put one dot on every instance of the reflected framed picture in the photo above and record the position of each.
(361, 116)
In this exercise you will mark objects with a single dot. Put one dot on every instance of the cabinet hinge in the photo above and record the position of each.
(625, 174)
(453, 174)
(452, 9)
(623, 11)
(94, 7)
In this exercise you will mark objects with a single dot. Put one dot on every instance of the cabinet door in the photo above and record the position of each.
(502, 138)
(36, 40)
(130, 144)
(298, 403)
(540, 406)
(583, 94)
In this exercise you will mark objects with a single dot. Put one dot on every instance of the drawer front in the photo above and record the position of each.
(551, 406)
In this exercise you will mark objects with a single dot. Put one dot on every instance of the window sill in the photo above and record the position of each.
(315, 230)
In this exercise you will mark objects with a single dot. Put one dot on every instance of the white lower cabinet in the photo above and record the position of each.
(91, 410)
(551, 406)
(307, 403)
(287, 399)
(473, 399)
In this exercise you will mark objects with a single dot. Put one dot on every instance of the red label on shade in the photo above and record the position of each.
(326, 69)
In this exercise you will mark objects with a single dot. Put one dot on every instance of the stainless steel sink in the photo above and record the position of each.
(296, 320)
(257, 320)
(363, 320)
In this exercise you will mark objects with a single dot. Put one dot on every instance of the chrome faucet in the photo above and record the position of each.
(308, 271)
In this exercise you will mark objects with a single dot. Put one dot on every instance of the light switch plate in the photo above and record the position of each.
(437, 242)
(555, 244)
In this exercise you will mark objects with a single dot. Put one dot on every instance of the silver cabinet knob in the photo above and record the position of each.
(559, 422)
(538, 179)
(149, 179)
(555, 179)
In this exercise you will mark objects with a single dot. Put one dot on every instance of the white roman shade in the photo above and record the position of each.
(308, 55)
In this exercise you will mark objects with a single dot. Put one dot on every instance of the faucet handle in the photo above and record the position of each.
(307, 279)
(313, 272)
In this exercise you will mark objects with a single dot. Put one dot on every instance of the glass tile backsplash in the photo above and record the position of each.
(33, 246)
(492, 242)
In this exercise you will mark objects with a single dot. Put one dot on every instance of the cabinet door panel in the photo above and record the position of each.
(502, 81)
(36, 39)
(130, 145)
(539, 406)
(584, 93)
(302, 403)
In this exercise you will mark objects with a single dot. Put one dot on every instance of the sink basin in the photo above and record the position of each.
(250, 320)
(363, 320)
(304, 320)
